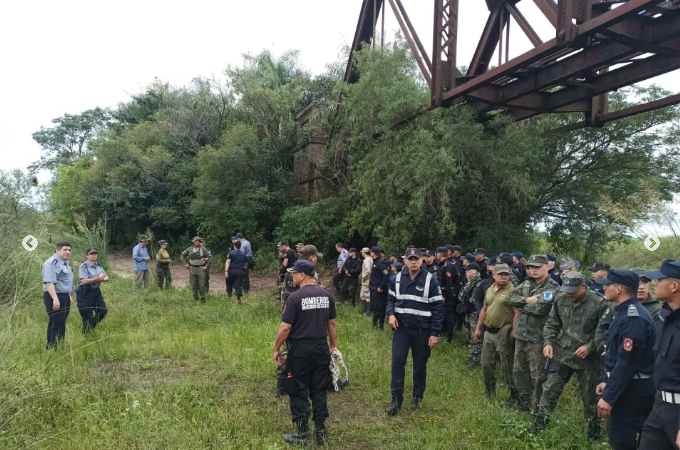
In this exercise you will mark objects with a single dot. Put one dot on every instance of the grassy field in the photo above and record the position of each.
(163, 372)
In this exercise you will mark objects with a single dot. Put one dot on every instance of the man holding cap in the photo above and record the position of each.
(416, 312)
(88, 296)
(378, 285)
(534, 298)
(365, 295)
(628, 389)
(662, 428)
(570, 336)
(308, 320)
(163, 262)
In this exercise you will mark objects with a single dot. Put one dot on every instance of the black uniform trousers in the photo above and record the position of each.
(91, 306)
(56, 324)
(449, 316)
(661, 428)
(307, 367)
(246, 278)
(234, 282)
(379, 305)
(629, 414)
(349, 289)
(417, 340)
(338, 278)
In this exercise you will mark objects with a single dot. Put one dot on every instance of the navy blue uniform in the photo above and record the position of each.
(380, 276)
(418, 306)
(450, 282)
(629, 363)
(555, 275)
(351, 281)
(236, 273)
(661, 429)
(89, 297)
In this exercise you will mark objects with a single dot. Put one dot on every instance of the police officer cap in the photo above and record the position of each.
(162, 242)
(91, 250)
(398, 265)
(451, 248)
(507, 259)
(428, 254)
(479, 251)
(551, 257)
(375, 249)
(144, 238)
(472, 266)
(518, 255)
(457, 248)
(413, 253)
(600, 266)
(239, 235)
(285, 243)
(197, 238)
(537, 260)
(670, 268)
(470, 257)
(490, 261)
(352, 250)
(623, 277)
(233, 238)
(394, 254)
(303, 266)
(443, 250)
(572, 282)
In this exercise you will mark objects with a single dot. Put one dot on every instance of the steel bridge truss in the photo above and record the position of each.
(599, 47)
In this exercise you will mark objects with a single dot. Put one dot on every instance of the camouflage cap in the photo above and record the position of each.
(572, 282)
(537, 260)
(162, 242)
(501, 268)
(197, 238)
(143, 238)
(309, 250)
(299, 245)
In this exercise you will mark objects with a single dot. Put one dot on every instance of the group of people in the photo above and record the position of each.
(540, 322)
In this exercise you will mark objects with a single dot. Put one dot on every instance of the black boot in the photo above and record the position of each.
(512, 400)
(280, 378)
(594, 430)
(394, 407)
(490, 389)
(539, 425)
(415, 403)
(320, 433)
(300, 436)
(524, 405)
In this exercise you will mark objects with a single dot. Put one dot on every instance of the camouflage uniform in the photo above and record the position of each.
(198, 258)
(528, 372)
(472, 293)
(575, 322)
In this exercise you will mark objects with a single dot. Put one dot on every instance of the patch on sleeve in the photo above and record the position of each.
(627, 344)
(548, 296)
(606, 313)
(633, 312)
(83, 266)
(54, 262)
(385, 272)
(448, 274)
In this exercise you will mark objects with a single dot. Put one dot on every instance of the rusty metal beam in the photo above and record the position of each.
(423, 53)
(524, 25)
(363, 34)
(549, 10)
(487, 43)
(422, 63)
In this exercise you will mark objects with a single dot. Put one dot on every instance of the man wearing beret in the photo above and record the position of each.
(662, 428)
(570, 336)
(534, 298)
(628, 387)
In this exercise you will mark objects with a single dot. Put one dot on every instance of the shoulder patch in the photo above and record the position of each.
(83, 266)
(54, 262)
(548, 296)
(633, 312)
(385, 272)
(606, 313)
(628, 344)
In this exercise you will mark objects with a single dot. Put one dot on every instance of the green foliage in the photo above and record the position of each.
(321, 223)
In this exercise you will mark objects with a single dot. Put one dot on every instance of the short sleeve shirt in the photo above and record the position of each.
(498, 310)
(88, 270)
(237, 261)
(308, 310)
(58, 272)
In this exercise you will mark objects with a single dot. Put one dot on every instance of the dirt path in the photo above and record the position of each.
(121, 264)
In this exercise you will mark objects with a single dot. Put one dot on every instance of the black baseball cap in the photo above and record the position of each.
(443, 250)
(303, 266)
(600, 266)
(551, 257)
(472, 266)
(457, 248)
(375, 249)
(428, 254)
(451, 248)
(394, 254)
(479, 251)
(623, 277)
(470, 257)
(670, 268)
(91, 250)
(413, 253)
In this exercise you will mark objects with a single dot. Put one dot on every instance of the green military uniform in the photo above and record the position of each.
(468, 296)
(163, 274)
(198, 259)
(496, 342)
(528, 372)
(571, 325)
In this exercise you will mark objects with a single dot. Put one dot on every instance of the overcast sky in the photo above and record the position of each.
(68, 56)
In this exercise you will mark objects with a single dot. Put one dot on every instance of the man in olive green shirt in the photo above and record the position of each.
(498, 316)
(163, 261)
(197, 260)
(570, 336)
(534, 299)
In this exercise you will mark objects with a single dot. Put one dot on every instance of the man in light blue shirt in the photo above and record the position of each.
(248, 250)
(57, 290)
(339, 274)
(140, 256)
(89, 297)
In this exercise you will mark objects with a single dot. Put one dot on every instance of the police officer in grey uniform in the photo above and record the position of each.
(57, 290)
(89, 297)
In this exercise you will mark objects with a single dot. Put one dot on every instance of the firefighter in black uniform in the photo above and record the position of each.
(662, 429)
(450, 282)
(306, 323)
(430, 264)
(380, 277)
(628, 388)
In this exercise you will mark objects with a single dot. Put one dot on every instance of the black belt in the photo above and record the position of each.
(493, 330)
(307, 341)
